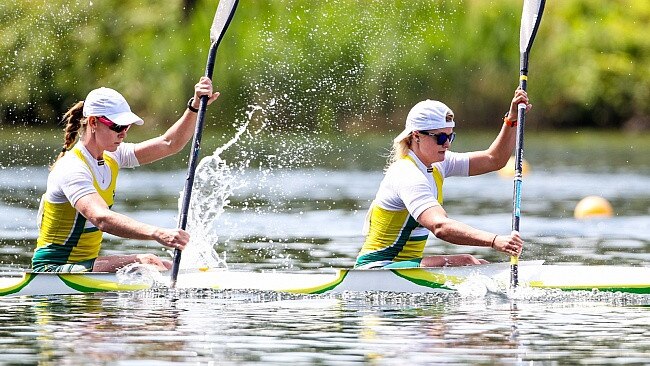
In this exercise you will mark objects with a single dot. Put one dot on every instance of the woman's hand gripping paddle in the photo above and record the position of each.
(530, 19)
(222, 18)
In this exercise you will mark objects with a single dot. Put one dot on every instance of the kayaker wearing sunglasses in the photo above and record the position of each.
(75, 210)
(408, 204)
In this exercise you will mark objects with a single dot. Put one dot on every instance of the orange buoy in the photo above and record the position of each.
(508, 171)
(592, 207)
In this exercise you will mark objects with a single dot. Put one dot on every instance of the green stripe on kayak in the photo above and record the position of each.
(27, 278)
(85, 283)
(321, 288)
(427, 279)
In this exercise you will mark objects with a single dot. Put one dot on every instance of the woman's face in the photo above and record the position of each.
(108, 134)
(430, 146)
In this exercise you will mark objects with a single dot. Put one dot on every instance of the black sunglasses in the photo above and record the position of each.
(441, 137)
(112, 125)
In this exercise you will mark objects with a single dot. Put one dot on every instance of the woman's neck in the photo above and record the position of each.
(93, 149)
(420, 155)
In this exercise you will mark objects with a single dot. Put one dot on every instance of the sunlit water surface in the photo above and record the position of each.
(278, 219)
(209, 327)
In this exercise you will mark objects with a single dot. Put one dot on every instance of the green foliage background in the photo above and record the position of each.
(331, 65)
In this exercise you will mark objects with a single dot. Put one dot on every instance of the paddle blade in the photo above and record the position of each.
(530, 19)
(222, 17)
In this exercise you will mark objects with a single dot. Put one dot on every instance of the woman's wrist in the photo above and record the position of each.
(493, 240)
(511, 122)
(191, 107)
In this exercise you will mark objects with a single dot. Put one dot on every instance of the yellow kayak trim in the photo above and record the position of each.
(89, 284)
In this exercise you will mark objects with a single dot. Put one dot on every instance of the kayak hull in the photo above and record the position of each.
(533, 274)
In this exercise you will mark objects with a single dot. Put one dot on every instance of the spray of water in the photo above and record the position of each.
(138, 273)
(214, 182)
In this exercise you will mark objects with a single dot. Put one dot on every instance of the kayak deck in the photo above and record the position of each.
(532, 274)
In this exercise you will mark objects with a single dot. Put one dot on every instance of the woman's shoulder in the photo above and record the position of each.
(399, 166)
(67, 170)
(403, 164)
(455, 164)
(403, 170)
(124, 147)
(124, 155)
(69, 161)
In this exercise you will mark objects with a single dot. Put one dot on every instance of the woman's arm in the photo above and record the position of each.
(436, 220)
(177, 136)
(95, 210)
(497, 155)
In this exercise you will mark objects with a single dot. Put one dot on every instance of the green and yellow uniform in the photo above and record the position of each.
(67, 241)
(393, 234)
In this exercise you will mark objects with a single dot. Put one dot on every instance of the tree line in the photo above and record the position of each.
(329, 66)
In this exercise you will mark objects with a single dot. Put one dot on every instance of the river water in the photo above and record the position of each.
(310, 217)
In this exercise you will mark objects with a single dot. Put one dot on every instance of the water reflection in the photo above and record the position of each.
(271, 328)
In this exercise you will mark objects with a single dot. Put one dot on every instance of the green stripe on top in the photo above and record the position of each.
(77, 230)
(51, 254)
(60, 253)
(419, 238)
(391, 252)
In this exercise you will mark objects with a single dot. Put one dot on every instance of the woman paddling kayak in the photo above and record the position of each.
(408, 204)
(75, 210)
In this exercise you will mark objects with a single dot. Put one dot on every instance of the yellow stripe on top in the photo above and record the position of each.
(395, 235)
(64, 236)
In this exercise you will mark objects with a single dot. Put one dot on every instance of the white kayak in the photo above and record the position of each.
(533, 274)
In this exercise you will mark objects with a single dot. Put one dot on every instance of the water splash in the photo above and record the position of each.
(214, 183)
(138, 273)
(256, 163)
(476, 286)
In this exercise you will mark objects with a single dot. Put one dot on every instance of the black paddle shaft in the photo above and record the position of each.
(196, 143)
(194, 157)
(223, 16)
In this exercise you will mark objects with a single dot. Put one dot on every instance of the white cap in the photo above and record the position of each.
(110, 104)
(427, 115)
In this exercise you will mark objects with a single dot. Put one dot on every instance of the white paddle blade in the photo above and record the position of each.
(530, 18)
(225, 11)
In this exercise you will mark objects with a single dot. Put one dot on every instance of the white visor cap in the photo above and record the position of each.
(110, 104)
(427, 115)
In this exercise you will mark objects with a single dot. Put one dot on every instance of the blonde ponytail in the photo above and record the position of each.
(399, 150)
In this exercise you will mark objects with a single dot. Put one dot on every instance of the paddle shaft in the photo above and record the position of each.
(194, 156)
(530, 19)
(519, 157)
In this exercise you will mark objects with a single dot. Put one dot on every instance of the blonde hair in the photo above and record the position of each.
(399, 150)
(75, 125)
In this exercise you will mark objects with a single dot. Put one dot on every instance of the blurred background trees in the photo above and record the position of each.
(329, 66)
